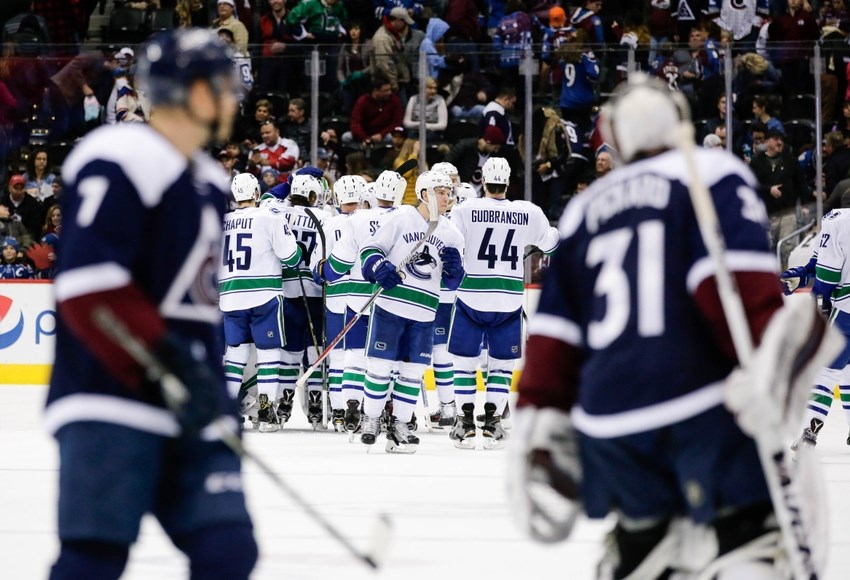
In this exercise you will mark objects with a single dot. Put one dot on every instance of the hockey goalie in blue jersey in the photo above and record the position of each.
(621, 402)
(141, 243)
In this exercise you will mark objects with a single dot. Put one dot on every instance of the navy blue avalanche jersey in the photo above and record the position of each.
(624, 288)
(138, 213)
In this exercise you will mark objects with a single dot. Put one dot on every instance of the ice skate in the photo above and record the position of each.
(434, 420)
(371, 426)
(315, 411)
(266, 419)
(338, 420)
(495, 435)
(463, 432)
(250, 406)
(386, 416)
(448, 413)
(506, 424)
(412, 425)
(400, 439)
(284, 406)
(351, 419)
(809, 438)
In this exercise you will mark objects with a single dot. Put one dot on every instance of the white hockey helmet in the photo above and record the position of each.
(643, 115)
(429, 181)
(349, 189)
(390, 186)
(496, 171)
(245, 187)
(303, 185)
(465, 191)
(448, 170)
(369, 195)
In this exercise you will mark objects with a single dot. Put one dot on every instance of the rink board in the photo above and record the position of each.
(28, 328)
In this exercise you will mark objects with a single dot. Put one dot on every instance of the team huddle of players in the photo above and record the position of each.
(448, 274)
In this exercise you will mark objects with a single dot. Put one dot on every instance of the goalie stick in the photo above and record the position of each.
(175, 393)
(433, 222)
(772, 454)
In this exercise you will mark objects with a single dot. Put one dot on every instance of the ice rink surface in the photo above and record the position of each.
(448, 507)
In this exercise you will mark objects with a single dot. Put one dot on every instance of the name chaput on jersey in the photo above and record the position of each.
(514, 218)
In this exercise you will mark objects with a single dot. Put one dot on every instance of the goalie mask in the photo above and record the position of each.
(245, 187)
(643, 116)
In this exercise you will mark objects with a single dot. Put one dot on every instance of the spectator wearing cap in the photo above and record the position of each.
(269, 177)
(275, 151)
(123, 60)
(228, 163)
(326, 162)
(12, 267)
(390, 61)
(296, 126)
(227, 19)
(280, 66)
(436, 112)
(394, 150)
(23, 208)
(385, 8)
(555, 36)
(469, 155)
(375, 115)
(241, 62)
(782, 185)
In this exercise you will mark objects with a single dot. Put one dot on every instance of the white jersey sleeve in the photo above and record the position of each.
(832, 266)
(334, 291)
(257, 243)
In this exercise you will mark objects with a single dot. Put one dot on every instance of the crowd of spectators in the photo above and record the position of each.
(56, 84)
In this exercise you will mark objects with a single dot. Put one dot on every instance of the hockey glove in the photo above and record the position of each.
(452, 267)
(204, 386)
(544, 473)
(309, 170)
(770, 393)
(380, 270)
(793, 278)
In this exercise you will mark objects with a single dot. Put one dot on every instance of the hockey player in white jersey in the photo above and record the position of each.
(344, 261)
(489, 300)
(257, 242)
(302, 301)
(442, 361)
(830, 269)
(348, 192)
(401, 326)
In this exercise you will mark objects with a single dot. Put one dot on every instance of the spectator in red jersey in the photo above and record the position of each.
(794, 33)
(274, 151)
(375, 115)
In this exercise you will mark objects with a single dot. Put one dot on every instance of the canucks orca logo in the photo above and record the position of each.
(11, 327)
(421, 265)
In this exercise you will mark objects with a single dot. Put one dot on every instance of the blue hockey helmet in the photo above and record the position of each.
(171, 61)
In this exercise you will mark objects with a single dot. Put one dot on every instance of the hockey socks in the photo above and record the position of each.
(498, 382)
(464, 380)
(268, 365)
(443, 363)
(335, 373)
(377, 386)
(235, 361)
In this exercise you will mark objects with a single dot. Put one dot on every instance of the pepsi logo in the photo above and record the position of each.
(11, 322)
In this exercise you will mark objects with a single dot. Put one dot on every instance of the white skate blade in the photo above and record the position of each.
(468, 443)
(405, 449)
(268, 427)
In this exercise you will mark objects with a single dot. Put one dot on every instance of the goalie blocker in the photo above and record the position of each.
(621, 406)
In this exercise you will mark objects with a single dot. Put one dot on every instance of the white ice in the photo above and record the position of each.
(448, 507)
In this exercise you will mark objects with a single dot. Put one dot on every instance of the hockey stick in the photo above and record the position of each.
(175, 394)
(433, 222)
(407, 166)
(771, 450)
(325, 385)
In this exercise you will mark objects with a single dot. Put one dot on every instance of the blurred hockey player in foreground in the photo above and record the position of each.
(621, 403)
(143, 239)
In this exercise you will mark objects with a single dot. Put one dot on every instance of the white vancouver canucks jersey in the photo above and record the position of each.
(306, 233)
(344, 257)
(496, 233)
(257, 242)
(417, 297)
(335, 291)
(833, 254)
